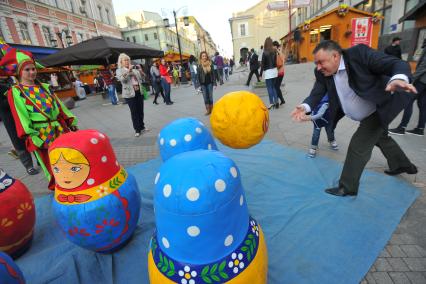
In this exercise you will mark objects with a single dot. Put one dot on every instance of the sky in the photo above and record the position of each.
(213, 15)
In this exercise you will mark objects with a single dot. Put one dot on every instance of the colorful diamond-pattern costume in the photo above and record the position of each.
(40, 117)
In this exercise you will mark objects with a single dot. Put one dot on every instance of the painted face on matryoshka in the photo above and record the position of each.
(70, 167)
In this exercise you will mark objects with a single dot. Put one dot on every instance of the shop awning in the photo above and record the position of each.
(415, 12)
(173, 56)
(38, 51)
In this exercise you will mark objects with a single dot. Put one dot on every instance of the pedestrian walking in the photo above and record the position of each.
(419, 82)
(107, 76)
(156, 82)
(280, 65)
(269, 65)
(254, 66)
(131, 80)
(194, 76)
(357, 97)
(165, 80)
(218, 61)
(207, 80)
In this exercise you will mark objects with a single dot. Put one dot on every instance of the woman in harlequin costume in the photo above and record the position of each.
(40, 117)
(17, 216)
(96, 201)
(204, 231)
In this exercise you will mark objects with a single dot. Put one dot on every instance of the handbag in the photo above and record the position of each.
(168, 79)
(279, 61)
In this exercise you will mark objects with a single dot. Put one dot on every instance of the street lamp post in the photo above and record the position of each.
(166, 23)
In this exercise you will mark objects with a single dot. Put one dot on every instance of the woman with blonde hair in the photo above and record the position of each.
(207, 79)
(131, 79)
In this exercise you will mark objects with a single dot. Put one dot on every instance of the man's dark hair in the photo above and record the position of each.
(395, 39)
(328, 45)
(276, 43)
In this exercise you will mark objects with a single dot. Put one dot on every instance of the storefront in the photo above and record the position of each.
(345, 25)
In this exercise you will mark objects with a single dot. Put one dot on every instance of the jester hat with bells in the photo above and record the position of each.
(14, 60)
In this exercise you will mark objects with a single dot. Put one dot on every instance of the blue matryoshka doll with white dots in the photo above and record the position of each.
(182, 135)
(204, 231)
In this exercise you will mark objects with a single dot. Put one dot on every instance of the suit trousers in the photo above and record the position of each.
(370, 133)
(255, 72)
(136, 111)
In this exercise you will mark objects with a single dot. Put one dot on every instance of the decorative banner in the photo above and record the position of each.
(278, 6)
(362, 31)
(300, 3)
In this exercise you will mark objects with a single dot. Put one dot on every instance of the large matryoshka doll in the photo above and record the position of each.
(96, 201)
(9, 271)
(17, 216)
(182, 135)
(204, 231)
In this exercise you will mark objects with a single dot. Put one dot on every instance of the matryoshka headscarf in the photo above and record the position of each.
(81, 160)
(14, 60)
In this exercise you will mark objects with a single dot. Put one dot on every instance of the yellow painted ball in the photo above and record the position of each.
(239, 119)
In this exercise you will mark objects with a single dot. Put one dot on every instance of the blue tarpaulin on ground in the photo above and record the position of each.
(312, 237)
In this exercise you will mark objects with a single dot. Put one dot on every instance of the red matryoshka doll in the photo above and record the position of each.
(96, 201)
(17, 216)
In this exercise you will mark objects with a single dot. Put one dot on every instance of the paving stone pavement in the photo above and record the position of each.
(403, 260)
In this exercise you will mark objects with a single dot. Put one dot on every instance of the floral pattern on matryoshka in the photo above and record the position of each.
(96, 201)
(17, 216)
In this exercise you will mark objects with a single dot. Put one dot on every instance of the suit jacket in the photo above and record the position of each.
(420, 74)
(368, 72)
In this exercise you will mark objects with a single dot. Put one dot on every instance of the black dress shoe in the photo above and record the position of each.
(339, 191)
(283, 102)
(411, 170)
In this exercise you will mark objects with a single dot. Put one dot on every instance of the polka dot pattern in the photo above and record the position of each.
(90, 181)
(233, 172)
(229, 240)
(193, 194)
(241, 200)
(162, 141)
(165, 242)
(157, 177)
(167, 190)
(198, 130)
(173, 142)
(220, 185)
(94, 141)
(187, 138)
(193, 231)
(104, 159)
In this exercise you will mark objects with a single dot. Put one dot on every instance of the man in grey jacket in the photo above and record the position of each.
(419, 81)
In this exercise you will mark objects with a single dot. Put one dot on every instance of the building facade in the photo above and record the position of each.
(56, 23)
(147, 28)
(391, 26)
(250, 28)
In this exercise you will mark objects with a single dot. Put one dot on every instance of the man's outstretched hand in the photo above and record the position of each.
(400, 85)
(299, 115)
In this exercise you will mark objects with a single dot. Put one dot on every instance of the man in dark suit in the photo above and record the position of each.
(254, 66)
(367, 86)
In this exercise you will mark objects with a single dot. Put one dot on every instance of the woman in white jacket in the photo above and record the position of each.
(130, 79)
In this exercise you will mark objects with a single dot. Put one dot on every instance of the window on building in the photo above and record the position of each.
(409, 4)
(100, 13)
(108, 16)
(146, 37)
(72, 6)
(128, 39)
(134, 38)
(80, 37)
(25, 35)
(384, 7)
(56, 3)
(155, 36)
(47, 36)
(243, 30)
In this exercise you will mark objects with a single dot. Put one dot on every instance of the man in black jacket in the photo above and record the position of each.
(367, 86)
(394, 49)
(254, 66)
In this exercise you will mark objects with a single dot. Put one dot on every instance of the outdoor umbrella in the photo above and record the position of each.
(100, 50)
